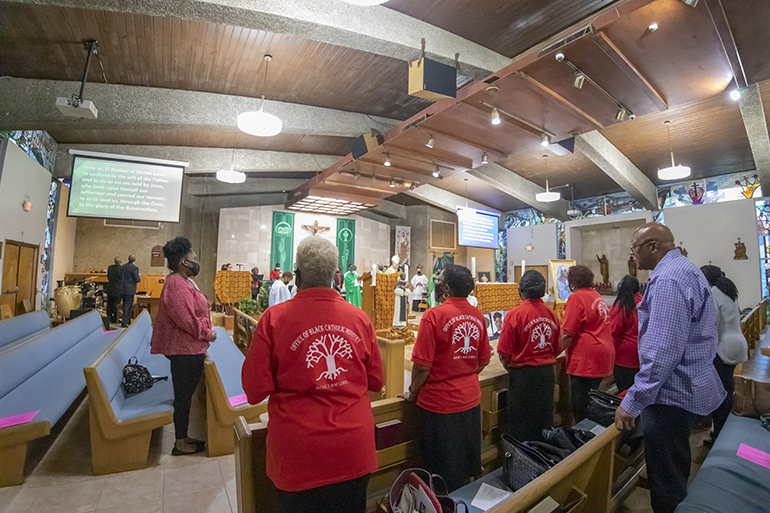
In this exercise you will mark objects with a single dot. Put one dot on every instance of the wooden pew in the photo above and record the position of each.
(392, 354)
(243, 329)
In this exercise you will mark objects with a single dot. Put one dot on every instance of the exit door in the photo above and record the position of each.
(19, 275)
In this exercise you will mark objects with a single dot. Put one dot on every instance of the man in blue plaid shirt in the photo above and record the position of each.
(677, 382)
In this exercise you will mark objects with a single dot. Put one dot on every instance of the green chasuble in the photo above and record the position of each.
(431, 285)
(352, 289)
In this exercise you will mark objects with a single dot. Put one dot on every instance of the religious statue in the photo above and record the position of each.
(352, 286)
(315, 228)
(681, 249)
(604, 266)
(394, 267)
(740, 251)
(399, 310)
(632, 266)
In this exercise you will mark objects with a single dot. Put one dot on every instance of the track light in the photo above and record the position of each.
(496, 117)
(735, 95)
(392, 183)
(559, 56)
(387, 160)
(691, 3)
(437, 172)
(484, 159)
(653, 27)
(579, 79)
(544, 140)
(621, 114)
(357, 176)
(401, 184)
(431, 142)
(412, 187)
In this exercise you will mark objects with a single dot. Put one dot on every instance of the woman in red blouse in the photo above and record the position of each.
(624, 324)
(528, 347)
(182, 333)
(586, 337)
(452, 348)
(317, 358)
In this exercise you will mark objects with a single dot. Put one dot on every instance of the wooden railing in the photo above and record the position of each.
(243, 329)
(753, 323)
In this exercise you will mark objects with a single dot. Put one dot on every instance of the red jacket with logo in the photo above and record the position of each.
(625, 335)
(592, 353)
(316, 357)
(530, 335)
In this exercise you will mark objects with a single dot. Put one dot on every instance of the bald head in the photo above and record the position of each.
(655, 231)
(650, 243)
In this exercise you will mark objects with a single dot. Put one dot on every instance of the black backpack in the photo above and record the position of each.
(136, 378)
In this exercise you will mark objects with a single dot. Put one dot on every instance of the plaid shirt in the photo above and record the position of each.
(677, 341)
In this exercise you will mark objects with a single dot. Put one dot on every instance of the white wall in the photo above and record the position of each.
(709, 232)
(64, 239)
(20, 177)
(485, 261)
(245, 236)
(544, 241)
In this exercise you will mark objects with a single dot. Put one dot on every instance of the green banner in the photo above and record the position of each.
(346, 244)
(282, 246)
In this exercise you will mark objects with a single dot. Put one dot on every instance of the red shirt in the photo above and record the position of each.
(530, 335)
(586, 316)
(453, 342)
(275, 274)
(183, 320)
(625, 335)
(316, 356)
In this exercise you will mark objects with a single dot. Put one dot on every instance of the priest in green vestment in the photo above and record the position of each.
(431, 287)
(352, 287)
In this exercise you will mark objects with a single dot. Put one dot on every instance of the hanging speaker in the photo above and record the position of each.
(363, 144)
(432, 80)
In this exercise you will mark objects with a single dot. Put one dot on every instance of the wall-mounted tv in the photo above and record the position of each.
(477, 228)
(125, 187)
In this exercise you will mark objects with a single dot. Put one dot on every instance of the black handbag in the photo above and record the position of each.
(522, 462)
(136, 378)
(447, 504)
(567, 437)
(601, 407)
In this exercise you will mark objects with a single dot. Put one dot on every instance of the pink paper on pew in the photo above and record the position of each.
(754, 455)
(111, 331)
(238, 399)
(18, 419)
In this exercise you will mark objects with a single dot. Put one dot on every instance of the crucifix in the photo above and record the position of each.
(314, 228)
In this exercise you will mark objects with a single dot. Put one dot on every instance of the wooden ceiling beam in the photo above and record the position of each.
(559, 99)
(433, 159)
(722, 26)
(625, 65)
(491, 151)
(506, 118)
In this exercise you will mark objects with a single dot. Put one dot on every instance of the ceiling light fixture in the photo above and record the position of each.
(484, 159)
(544, 140)
(691, 3)
(496, 117)
(259, 122)
(674, 172)
(559, 56)
(231, 176)
(548, 196)
(621, 114)
(387, 160)
(735, 95)
(392, 183)
(357, 176)
(431, 142)
(580, 77)
(437, 172)
(653, 27)
(412, 187)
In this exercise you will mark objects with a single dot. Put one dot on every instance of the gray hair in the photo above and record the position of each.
(316, 262)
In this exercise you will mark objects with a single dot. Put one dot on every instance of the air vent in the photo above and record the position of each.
(576, 35)
(443, 235)
(123, 223)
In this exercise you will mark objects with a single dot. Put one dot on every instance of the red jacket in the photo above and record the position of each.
(183, 320)
(625, 335)
(530, 335)
(316, 357)
(586, 316)
(275, 274)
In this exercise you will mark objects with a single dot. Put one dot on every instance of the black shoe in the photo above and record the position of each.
(198, 448)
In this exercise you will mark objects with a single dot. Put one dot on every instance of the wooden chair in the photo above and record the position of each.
(27, 306)
(5, 312)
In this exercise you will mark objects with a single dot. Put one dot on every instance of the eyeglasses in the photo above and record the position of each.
(632, 248)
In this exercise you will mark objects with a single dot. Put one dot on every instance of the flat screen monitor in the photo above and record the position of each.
(122, 187)
(477, 228)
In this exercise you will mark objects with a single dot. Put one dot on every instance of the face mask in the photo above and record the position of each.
(194, 268)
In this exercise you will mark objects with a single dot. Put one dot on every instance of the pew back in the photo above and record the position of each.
(23, 327)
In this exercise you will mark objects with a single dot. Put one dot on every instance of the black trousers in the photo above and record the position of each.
(720, 415)
(530, 401)
(344, 497)
(579, 388)
(450, 444)
(128, 309)
(624, 377)
(666, 432)
(112, 307)
(186, 370)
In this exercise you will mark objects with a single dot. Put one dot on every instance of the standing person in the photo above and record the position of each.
(276, 273)
(528, 347)
(400, 308)
(677, 382)
(129, 277)
(255, 283)
(586, 336)
(352, 287)
(432, 288)
(113, 290)
(624, 325)
(419, 281)
(732, 347)
(337, 281)
(317, 358)
(279, 292)
(182, 333)
(452, 348)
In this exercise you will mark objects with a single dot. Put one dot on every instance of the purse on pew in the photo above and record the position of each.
(601, 407)
(414, 490)
(136, 378)
(523, 462)
(567, 437)
(751, 398)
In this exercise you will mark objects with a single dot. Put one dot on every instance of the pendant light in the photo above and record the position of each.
(231, 175)
(259, 122)
(548, 196)
(674, 172)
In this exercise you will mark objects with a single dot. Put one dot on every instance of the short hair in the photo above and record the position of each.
(459, 280)
(175, 250)
(716, 278)
(316, 262)
(287, 274)
(497, 315)
(580, 277)
(533, 284)
(712, 273)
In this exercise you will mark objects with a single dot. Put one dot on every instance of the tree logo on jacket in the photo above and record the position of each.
(327, 348)
(541, 334)
(601, 305)
(463, 334)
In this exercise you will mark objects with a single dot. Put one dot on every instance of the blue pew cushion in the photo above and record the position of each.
(24, 326)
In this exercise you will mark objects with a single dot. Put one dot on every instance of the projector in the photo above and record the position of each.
(76, 108)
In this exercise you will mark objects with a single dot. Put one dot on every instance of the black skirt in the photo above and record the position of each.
(530, 401)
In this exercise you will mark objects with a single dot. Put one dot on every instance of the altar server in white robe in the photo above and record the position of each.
(400, 307)
(419, 282)
(279, 292)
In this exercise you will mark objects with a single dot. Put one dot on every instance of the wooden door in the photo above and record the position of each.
(10, 286)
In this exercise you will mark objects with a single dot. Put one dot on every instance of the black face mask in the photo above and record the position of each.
(194, 267)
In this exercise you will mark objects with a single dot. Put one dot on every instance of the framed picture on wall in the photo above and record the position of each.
(495, 324)
(484, 277)
(558, 270)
